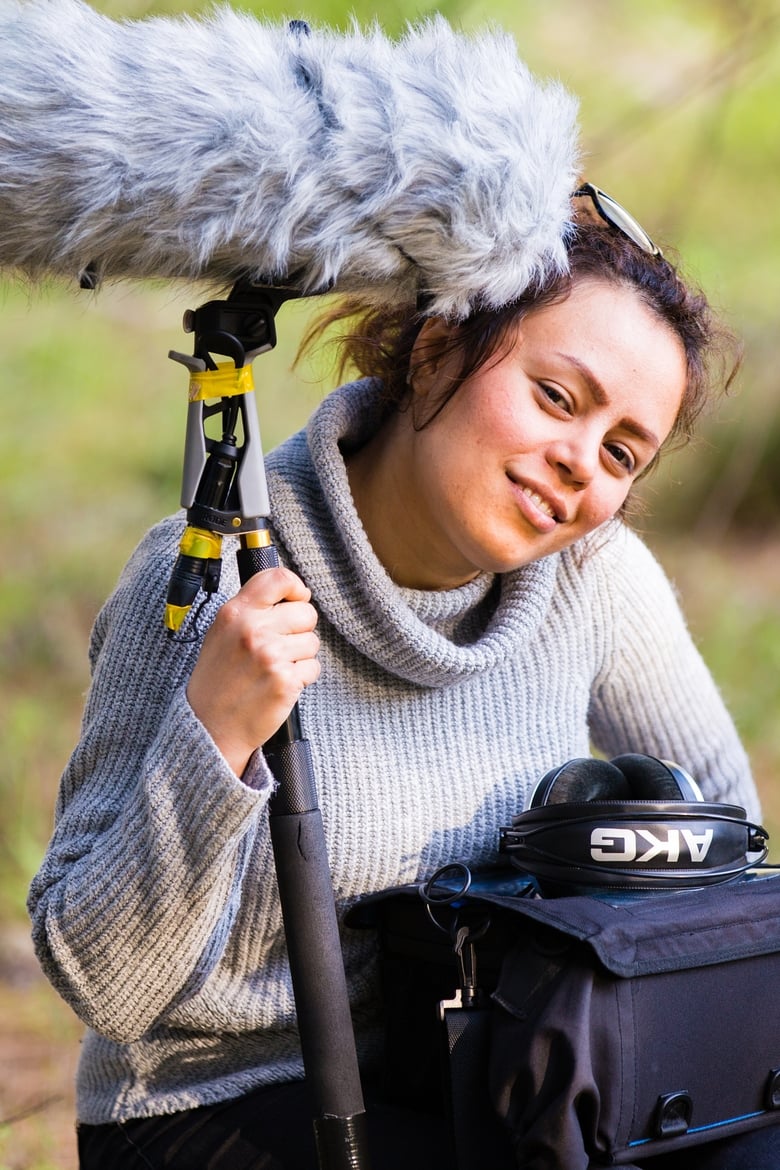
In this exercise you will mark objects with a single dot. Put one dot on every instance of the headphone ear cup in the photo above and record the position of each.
(581, 780)
(649, 778)
(688, 786)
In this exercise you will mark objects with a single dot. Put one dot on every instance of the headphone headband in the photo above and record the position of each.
(599, 824)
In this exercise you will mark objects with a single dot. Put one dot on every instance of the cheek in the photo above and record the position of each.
(614, 501)
(462, 450)
(609, 501)
(459, 440)
(494, 430)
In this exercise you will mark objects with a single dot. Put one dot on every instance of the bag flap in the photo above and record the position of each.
(650, 933)
(635, 934)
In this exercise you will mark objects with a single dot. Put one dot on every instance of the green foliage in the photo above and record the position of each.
(730, 593)
(7, 1139)
(393, 18)
(679, 104)
(91, 448)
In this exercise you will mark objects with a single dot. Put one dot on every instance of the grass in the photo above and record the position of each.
(38, 1050)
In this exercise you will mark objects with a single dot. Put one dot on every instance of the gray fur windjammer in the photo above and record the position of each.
(223, 146)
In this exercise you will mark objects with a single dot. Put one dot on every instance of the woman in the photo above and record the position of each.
(472, 615)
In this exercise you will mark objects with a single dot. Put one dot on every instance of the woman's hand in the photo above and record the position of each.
(256, 658)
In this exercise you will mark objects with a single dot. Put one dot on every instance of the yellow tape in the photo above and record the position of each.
(224, 382)
(199, 542)
(175, 615)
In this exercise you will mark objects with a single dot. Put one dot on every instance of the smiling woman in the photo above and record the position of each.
(535, 450)
(455, 585)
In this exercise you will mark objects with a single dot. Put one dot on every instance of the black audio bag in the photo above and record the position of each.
(630, 1028)
(606, 1029)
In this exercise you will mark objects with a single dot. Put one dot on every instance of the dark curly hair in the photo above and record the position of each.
(378, 341)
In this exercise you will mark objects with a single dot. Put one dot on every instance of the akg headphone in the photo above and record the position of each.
(632, 823)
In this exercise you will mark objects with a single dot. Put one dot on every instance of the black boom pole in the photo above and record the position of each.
(224, 491)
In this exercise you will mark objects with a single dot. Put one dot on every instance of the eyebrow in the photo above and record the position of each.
(601, 398)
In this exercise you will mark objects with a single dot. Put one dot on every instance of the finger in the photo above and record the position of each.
(308, 671)
(272, 586)
(253, 619)
(288, 682)
(301, 647)
(271, 654)
(290, 617)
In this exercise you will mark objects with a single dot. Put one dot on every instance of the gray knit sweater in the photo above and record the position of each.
(155, 910)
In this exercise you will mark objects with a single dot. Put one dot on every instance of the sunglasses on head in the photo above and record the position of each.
(611, 211)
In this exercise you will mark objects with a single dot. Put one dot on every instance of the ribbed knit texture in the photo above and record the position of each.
(155, 911)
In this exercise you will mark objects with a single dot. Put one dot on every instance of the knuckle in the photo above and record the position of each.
(263, 587)
(306, 617)
(228, 614)
(264, 654)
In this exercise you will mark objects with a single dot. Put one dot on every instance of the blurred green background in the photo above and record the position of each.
(679, 102)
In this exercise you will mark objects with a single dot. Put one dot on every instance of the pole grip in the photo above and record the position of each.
(255, 559)
(341, 1142)
(312, 933)
(316, 964)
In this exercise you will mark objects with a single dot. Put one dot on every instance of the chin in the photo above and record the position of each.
(511, 559)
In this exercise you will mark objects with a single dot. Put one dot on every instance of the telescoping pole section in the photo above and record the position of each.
(224, 491)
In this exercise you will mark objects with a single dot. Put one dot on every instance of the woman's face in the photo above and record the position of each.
(540, 447)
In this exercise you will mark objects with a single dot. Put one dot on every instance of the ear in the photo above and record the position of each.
(433, 356)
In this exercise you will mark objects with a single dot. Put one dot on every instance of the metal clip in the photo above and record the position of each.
(444, 890)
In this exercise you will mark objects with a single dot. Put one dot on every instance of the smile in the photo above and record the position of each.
(543, 511)
(541, 503)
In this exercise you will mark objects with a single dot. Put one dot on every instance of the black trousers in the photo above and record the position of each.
(270, 1129)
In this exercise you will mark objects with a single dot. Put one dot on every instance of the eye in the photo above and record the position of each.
(622, 456)
(555, 396)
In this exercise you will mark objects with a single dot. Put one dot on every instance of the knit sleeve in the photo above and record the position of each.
(136, 895)
(654, 693)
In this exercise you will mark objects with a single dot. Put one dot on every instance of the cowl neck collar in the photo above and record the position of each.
(428, 637)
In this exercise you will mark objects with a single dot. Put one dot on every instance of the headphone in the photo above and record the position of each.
(631, 823)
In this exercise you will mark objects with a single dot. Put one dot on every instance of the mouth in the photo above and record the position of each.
(542, 504)
(546, 505)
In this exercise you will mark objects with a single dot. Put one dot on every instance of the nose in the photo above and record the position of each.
(575, 460)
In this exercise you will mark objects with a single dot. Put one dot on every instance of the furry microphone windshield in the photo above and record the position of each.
(435, 166)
